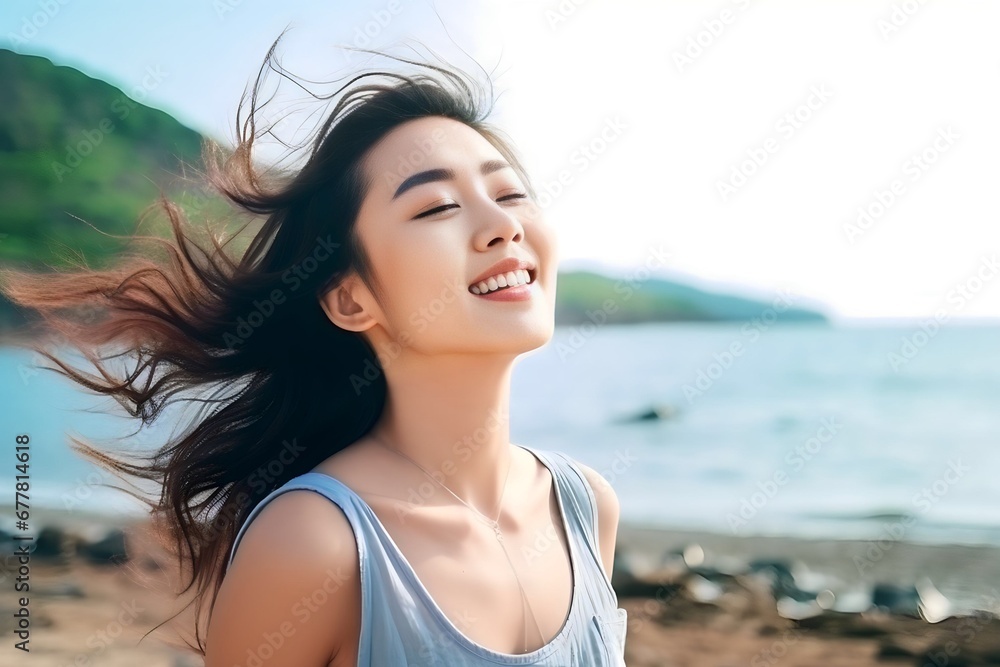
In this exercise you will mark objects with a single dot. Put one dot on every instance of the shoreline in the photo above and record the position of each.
(698, 597)
(712, 614)
(958, 570)
(962, 572)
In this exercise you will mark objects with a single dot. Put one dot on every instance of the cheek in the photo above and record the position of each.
(408, 257)
(553, 242)
(424, 276)
(546, 241)
(547, 248)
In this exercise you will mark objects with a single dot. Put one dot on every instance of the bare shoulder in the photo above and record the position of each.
(608, 510)
(607, 500)
(293, 589)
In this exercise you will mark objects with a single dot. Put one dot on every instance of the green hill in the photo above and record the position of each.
(585, 296)
(73, 147)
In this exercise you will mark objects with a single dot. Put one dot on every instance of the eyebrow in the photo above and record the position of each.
(432, 175)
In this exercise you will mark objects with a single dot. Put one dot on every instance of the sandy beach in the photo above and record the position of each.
(712, 613)
(689, 598)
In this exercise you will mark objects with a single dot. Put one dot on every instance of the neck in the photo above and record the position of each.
(450, 415)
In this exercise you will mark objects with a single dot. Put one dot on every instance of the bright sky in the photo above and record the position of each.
(738, 138)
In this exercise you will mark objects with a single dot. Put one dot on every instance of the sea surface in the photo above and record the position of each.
(804, 430)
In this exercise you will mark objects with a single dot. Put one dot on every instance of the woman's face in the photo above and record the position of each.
(433, 221)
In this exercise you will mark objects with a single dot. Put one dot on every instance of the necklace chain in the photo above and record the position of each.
(493, 523)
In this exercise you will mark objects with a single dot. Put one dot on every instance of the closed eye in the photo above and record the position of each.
(516, 195)
(435, 210)
(439, 209)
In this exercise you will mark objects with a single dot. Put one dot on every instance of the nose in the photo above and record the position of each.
(498, 225)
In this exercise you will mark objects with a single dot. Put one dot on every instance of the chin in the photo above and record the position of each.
(542, 336)
(525, 341)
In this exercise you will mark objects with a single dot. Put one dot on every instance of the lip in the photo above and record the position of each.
(503, 266)
(519, 293)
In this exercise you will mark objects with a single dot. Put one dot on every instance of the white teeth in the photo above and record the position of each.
(509, 279)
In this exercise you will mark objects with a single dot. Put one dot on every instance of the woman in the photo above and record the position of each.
(358, 500)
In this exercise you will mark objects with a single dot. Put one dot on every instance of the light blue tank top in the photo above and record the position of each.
(402, 626)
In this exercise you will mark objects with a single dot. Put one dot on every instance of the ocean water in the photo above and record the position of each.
(803, 430)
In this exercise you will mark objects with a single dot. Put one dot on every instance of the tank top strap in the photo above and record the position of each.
(388, 601)
(581, 508)
(310, 481)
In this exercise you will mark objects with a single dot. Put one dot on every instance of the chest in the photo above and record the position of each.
(511, 593)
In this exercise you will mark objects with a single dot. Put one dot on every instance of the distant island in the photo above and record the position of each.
(76, 150)
(591, 297)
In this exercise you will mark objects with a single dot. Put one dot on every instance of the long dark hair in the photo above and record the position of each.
(298, 387)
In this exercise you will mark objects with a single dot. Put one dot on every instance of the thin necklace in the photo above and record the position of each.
(493, 523)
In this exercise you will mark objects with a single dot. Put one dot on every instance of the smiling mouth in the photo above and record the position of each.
(517, 278)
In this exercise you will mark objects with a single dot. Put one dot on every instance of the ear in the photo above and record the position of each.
(344, 309)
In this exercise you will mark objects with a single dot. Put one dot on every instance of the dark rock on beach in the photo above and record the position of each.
(897, 599)
(111, 549)
(50, 544)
